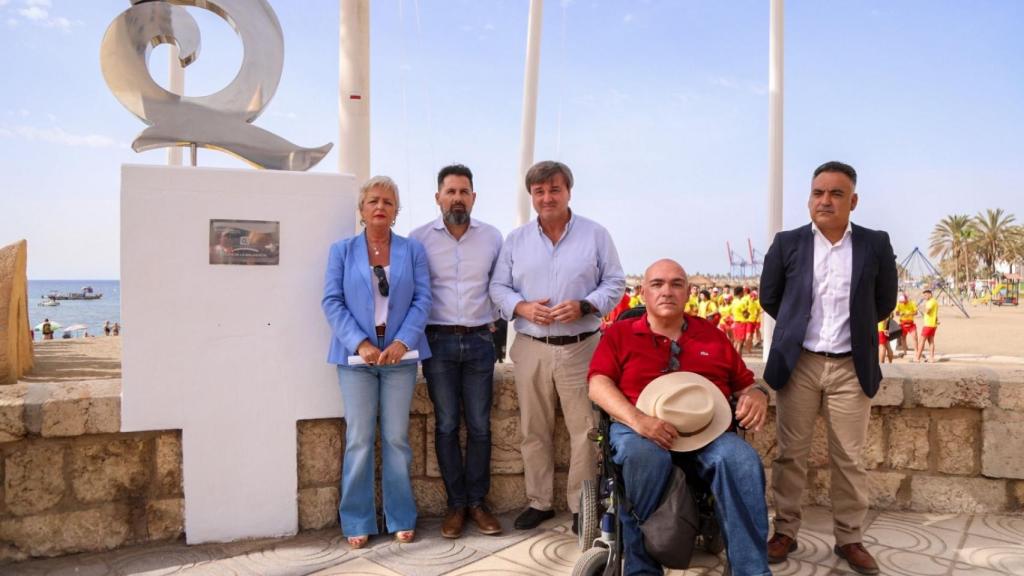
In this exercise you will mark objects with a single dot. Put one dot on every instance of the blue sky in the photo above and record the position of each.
(660, 108)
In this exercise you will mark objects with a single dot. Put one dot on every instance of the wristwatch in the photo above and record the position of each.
(586, 307)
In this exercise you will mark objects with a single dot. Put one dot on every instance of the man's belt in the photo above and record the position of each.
(447, 329)
(563, 340)
(831, 354)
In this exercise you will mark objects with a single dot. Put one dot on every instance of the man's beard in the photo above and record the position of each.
(456, 218)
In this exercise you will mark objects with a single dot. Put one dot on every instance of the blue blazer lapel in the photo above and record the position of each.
(399, 256)
(362, 262)
(859, 248)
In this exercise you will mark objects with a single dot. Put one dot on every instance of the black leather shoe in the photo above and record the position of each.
(531, 518)
(576, 524)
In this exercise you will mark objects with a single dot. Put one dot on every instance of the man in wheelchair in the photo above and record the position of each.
(683, 420)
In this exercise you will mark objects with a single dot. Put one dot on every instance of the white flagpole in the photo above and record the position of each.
(775, 109)
(529, 127)
(354, 90)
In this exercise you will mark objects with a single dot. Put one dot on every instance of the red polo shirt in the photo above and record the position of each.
(631, 355)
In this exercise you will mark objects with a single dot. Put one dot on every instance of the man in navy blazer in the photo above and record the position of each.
(827, 284)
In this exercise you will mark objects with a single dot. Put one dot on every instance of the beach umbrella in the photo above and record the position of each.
(75, 327)
(54, 325)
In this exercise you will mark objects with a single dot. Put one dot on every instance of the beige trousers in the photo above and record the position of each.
(828, 386)
(543, 371)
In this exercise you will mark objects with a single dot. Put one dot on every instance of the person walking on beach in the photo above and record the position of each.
(460, 372)
(376, 300)
(116, 330)
(827, 284)
(47, 329)
(106, 328)
(931, 324)
(556, 276)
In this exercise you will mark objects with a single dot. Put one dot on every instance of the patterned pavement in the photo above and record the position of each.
(905, 543)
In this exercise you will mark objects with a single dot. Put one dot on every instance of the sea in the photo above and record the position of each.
(92, 313)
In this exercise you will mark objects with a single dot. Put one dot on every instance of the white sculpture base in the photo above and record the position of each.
(232, 355)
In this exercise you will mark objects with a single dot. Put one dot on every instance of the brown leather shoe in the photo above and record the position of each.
(858, 557)
(485, 521)
(451, 527)
(779, 547)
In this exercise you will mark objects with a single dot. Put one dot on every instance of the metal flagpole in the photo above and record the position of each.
(176, 82)
(775, 85)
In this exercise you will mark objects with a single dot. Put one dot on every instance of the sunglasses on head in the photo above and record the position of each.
(382, 280)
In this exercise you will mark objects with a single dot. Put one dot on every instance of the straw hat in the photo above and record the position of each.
(691, 403)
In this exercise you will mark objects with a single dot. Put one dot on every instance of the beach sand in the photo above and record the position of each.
(991, 335)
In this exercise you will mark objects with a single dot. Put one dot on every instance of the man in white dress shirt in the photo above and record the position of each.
(461, 252)
(827, 284)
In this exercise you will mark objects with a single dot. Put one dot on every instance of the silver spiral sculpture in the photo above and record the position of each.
(222, 120)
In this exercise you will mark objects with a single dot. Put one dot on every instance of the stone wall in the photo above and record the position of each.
(941, 439)
(15, 344)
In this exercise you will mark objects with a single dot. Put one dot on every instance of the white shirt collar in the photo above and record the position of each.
(846, 234)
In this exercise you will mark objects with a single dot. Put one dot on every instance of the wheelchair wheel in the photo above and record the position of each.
(590, 515)
(592, 562)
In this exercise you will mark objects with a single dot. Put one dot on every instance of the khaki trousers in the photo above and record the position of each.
(543, 371)
(828, 386)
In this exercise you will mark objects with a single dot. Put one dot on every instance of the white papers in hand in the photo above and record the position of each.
(358, 360)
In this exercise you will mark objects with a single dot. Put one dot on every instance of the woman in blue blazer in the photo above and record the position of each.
(376, 299)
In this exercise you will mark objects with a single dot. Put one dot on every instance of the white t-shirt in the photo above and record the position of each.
(380, 303)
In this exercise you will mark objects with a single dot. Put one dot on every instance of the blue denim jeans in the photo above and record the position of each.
(732, 469)
(460, 379)
(367, 391)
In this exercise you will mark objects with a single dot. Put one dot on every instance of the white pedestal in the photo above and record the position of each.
(231, 355)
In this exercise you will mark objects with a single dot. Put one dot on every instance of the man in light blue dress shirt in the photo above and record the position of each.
(460, 374)
(556, 277)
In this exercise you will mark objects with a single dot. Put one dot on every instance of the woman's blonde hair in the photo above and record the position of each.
(379, 182)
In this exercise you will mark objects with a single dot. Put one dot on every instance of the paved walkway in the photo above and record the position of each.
(904, 544)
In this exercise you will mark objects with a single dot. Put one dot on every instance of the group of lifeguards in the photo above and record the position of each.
(906, 312)
(735, 310)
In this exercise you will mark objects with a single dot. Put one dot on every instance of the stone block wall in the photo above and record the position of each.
(15, 344)
(87, 493)
(941, 439)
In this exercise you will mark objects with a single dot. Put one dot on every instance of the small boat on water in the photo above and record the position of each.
(47, 301)
(86, 293)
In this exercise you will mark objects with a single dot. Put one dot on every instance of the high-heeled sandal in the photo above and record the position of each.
(357, 542)
(405, 536)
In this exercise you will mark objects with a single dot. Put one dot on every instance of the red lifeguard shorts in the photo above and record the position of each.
(928, 331)
(883, 338)
(739, 330)
(908, 327)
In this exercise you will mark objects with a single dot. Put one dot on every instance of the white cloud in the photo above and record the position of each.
(38, 12)
(627, 18)
(57, 135)
(34, 13)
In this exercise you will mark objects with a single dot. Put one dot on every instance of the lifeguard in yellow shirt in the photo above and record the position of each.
(756, 312)
(931, 324)
(907, 311)
(691, 305)
(740, 311)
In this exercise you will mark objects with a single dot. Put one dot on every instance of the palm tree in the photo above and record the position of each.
(1014, 252)
(992, 233)
(951, 244)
